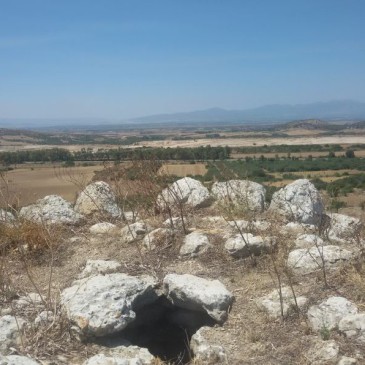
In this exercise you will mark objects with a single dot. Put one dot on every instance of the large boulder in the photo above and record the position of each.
(246, 194)
(329, 313)
(105, 304)
(17, 360)
(305, 261)
(194, 244)
(343, 228)
(246, 244)
(98, 198)
(52, 209)
(299, 202)
(195, 293)
(185, 191)
(353, 325)
(10, 332)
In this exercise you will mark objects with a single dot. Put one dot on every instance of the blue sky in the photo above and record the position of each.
(124, 58)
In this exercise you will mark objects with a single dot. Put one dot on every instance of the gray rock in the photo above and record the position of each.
(308, 241)
(99, 267)
(10, 331)
(194, 244)
(102, 228)
(6, 217)
(240, 247)
(299, 201)
(305, 261)
(44, 318)
(103, 305)
(246, 194)
(134, 232)
(98, 198)
(52, 209)
(122, 355)
(353, 325)
(271, 303)
(29, 300)
(17, 360)
(329, 313)
(321, 352)
(204, 350)
(347, 361)
(343, 228)
(185, 191)
(160, 237)
(194, 293)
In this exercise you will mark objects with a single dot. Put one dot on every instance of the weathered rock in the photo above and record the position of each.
(329, 313)
(130, 216)
(122, 355)
(185, 191)
(299, 201)
(321, 352)
(347, 361)
(240, 247)
(305, 261)
(248, 195)
(103, 305)
(176, 223)
(31, 299)
(44, 318)
(99, 267)
(52, 209)
(271, 303)
(299, 228)
(98, 198)
(204, 351)
(308, 241)
(102, 228)
(17, 360)
(343, 228)
(6, 217)
(353, 325)
(194, 293)
(249, 226)
(134, 232)
(195, 244)
(10, 331)
(159, 237)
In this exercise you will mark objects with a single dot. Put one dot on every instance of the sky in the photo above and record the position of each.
(120, 59)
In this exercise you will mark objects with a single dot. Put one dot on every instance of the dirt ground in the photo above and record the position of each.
(183, 170)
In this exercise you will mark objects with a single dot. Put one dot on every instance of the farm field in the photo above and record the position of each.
(183, 170)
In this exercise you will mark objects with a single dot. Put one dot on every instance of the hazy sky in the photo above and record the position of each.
(125, 58)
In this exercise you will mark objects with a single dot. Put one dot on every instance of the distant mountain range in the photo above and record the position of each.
(341, 110)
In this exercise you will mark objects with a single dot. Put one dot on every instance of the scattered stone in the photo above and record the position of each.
(347, 361)
(17, 360)
(240, 247)
(99, 267)
(205, 351)
(102, 228)
(271, 303)
(160, 237)
(353, 325)
(299, 228)
(247, 226)
(134, 232)
(195, 244)
(29, 300)
(103, 305)
(44, 318)
(328, 314)
(195, 293)
(185, 191)
(343, 228)
(122, 355)
(322, 352)
(52, 209)
(305, 261)
(299, 201)
(6, 217)
(10, 331)
(248, 195)
(308, 241)
(98, 198)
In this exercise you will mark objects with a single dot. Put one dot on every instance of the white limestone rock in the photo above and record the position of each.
(160, 237)
(299, 202)
(321, 352)
(308, 241)
(102, 305)
(305, 261)
(329, 313)
(10, 331)
(99, 267)
(6, 217)
(343, 229)
(52, 209)
(195, 293)
(98, 198)
(185, 191)
(353, 325)
(17, 360)
(246, 194)
(194, 244)
(241, 247)
(44, 318)
(134, 232)
(345, 360)
(272, 305)
(102, 228)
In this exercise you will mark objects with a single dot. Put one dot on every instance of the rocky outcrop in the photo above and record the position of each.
(329, 313)
(185, 191)
(194, 244)
(299, 202)
(195, 293)
(98, 198)
(246, 245)
(103, 305)
(10, 332)
(305, 261)
(248, 195)
(52, 209)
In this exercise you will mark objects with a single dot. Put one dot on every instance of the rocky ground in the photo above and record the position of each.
(208, 277)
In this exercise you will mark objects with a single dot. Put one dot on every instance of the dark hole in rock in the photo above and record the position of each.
(164, 329)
